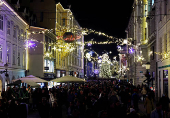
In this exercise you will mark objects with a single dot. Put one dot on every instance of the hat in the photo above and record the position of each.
(131, 110)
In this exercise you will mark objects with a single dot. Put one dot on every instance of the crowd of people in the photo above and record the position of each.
(91, 99)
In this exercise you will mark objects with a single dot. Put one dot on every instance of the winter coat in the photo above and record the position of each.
(149, 105)
(144, 92)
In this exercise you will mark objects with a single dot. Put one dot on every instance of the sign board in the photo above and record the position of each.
(46, 68)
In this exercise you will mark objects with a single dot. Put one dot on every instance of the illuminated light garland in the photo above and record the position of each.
(165, 55)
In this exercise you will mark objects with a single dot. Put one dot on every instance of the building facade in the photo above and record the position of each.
(139, 42)
(41, 52)
(13, 33)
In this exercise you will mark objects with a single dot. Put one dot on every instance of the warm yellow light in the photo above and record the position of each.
(54, 48)
(47, 54)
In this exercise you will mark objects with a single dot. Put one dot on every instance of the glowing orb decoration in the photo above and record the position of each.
(119, 47)
(88, 55)
(96, 71)
(69, 37)
(125, 41)
(99, 61)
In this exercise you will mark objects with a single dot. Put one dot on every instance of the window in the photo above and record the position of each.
(49, 47)
(41, 16)
(1, 22)
(0, 53)
(165, 43)
(59, 59)
(31, 0)
(153, 53)
(153, 2)
(165, 7)
(14, 35)
(23, 58)
(42, 0)
(8, 27)
(22, 34)
(46, 42)
(64, 21)
(18, 34)
(13, 62)
(18, 58)
(8, 54)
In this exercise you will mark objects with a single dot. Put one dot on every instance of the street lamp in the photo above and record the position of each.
(5, 71)
(147, 65)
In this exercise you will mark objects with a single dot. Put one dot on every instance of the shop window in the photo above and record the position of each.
(165, 73)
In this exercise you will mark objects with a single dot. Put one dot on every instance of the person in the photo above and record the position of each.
(165, 102)
(144, 92)
(51, 99)
(157, 112)
(132, 114)
(44, 108)
(135, 98)
(149, 105)
(55, 111)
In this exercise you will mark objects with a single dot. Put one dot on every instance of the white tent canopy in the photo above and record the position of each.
(69, 79)
(31, 78)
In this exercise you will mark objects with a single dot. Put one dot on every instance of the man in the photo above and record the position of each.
(157, 112)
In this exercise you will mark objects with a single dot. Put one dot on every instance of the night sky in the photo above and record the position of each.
(108, 16)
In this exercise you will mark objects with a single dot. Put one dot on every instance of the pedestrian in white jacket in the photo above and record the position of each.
(51, 99)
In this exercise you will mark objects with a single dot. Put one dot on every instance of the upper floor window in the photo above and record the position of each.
(1, 22)
(165, 43)
(14, 32)
(41, 16)
(8, 54)
(153, 1)
(8, 27)
(64, 20)
(18, 34)
(18, 58)
(14, 55)
(22, 33)
(0, 53)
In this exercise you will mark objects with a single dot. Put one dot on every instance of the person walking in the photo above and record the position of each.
(157, 112)
(135, 99)
(144, 92)
(149, 105)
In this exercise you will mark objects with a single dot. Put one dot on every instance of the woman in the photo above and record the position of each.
(149, 105)
(51, 99)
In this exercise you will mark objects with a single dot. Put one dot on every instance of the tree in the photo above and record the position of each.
(105, 71)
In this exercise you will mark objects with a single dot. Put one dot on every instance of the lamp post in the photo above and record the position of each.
(5, 71)
(147, 65)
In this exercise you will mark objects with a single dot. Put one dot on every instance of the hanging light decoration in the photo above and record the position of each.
(69, 37)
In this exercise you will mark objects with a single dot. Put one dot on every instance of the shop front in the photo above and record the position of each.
(60, 73)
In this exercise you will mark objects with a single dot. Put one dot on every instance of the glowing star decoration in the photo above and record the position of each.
(131, 50)
(96, 71)
(30, 44)
(89, 44)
